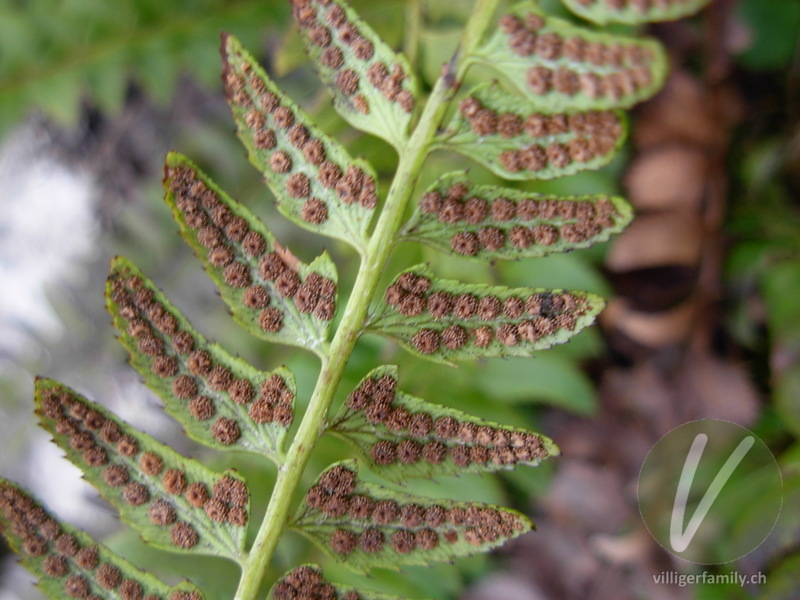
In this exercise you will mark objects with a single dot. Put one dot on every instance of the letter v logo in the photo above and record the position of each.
(678, 539)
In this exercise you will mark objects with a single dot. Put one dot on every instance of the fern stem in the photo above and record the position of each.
(412, 158)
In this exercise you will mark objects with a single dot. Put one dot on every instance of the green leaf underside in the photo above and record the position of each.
(316, 183)
(506, 135)
(444, 320)
(634, 12)
(150, 484)
(271, 292)
(387, 529)
(213, 394)
(400, 436)
(488, 222)
(307, 581)
(373, 87)
(561, 67)
(68, 561)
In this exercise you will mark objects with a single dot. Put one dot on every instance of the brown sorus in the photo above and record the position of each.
(241, 391)
(298, 186)
(347, 81)
(128, 446)
(270, 320)
(409, 451)
(162, 513)
(226, 431)
(446, 427)
(338, 480)
(332, 57)
(435, 515)
(55, 566)
(202, 408)
(384, 453)
(475, 210)
(427, 539)
(360, 507)
(329, 174)
(196, 494)
(216, 510)
(136, 494)
(386, 511)
(130, 590)
(371, 540)
(265, 140)
(420, 425)
(412, 515)
(434, 452)
(183, 342)
(440, 304)
(451, 211)
(77, 586)
(87, 558)
(343, 542)
(151, 463)
(115, 475)
(426, 341)
(280, 162)
(256, 296)
(184, 387)
(314, 211)
(488, 308)
(402, 541)
(491, 238)
(414, 283)
(174, 481)
(219, 378)
(184, 536)
(165, 366)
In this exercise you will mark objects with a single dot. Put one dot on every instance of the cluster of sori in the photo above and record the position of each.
(307, 583)
(182, 357)
(640, 5)
(367, 523)
(67, 558)
(627, 64)
(418, 436)
(510, 321)
(583, 136)
(139, 477)
(276, 126)
(491, 223)
(339, 36)
(243, 256)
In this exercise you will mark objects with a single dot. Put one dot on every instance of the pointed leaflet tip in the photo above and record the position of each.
(365, 526)
(515, 140)
(221, 400)
(316, 183)
(68, 562)
(373, 88)
(560, 67)
(176, 503)
(487, 223)
(445, 320)
(400, 436)
(270, 292)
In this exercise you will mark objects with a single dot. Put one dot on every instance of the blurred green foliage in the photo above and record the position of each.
(54, 53)
(773, 27)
